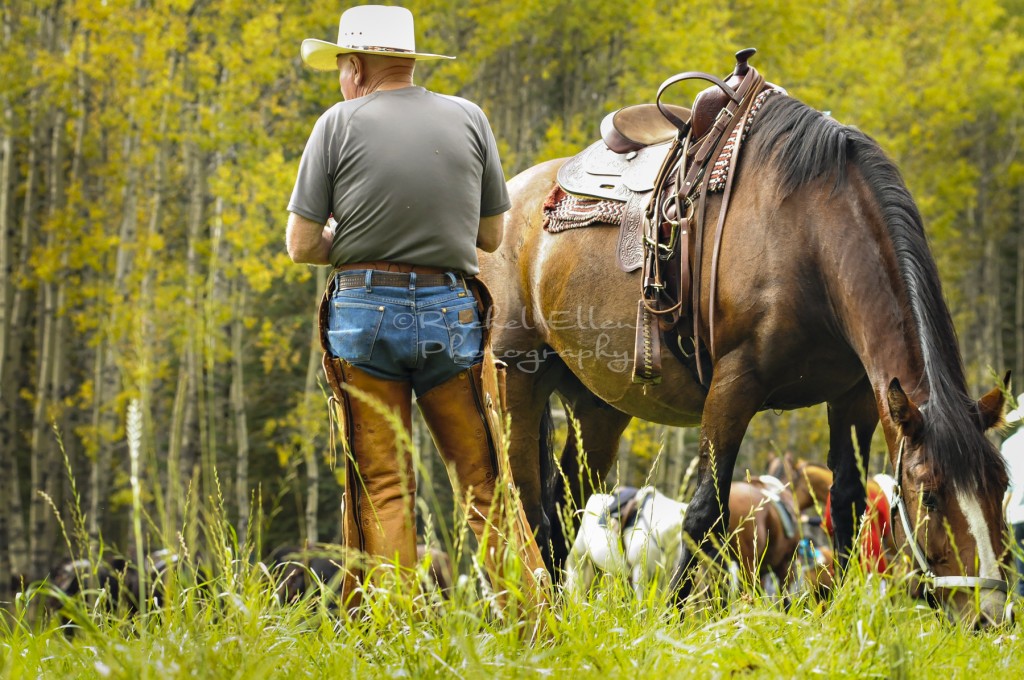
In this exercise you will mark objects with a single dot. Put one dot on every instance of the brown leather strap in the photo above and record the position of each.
(716, 138)
(746, 92)
(684, 126)
(647, 350)
(755, 86)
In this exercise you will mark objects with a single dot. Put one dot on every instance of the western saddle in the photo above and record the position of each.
(659, 159)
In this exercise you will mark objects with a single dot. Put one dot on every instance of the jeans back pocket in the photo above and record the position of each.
(465, 334)
(353, 328)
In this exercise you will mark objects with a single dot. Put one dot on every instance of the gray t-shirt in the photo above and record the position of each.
(407, 174)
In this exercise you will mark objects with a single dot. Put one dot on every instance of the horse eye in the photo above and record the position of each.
(930, 501)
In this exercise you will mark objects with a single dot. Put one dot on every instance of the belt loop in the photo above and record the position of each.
(451, 278)
(412, 280)
(369, 276)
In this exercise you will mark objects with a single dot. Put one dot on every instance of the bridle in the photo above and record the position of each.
(932, 582)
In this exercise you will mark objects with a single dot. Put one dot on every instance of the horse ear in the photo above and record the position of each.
(990, 407)
(903, 411)
(790, 466)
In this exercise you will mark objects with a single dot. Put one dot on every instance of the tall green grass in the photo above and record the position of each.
(231, 626)
(220, 618)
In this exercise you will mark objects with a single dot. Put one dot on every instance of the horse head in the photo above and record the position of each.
(950, 483)
(783, 468)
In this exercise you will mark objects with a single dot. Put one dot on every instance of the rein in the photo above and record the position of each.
(932, 581)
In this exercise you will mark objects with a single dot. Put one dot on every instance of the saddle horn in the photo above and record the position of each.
(742, 57)
(741, 69)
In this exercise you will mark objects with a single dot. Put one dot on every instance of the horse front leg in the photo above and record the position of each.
(856, 409)
(733, 399)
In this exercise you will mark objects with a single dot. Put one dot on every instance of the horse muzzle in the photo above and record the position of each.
(973, 600)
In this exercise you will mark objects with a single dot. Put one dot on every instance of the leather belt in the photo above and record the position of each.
(345, 281)
(388, 266)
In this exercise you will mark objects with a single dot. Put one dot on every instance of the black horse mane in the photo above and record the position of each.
(803, 146)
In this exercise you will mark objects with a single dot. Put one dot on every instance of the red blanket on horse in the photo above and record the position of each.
(877, 514)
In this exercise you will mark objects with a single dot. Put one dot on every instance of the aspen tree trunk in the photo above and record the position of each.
(166, 469)
(53, 389)
(108, 374)
(238, 411)
(309, 447)
(994, 312)
(6, 230)
(143, 337)
(62, 383)
(675, 460)
(19, 547)
(44, 464)
(43, 461)
(7, 464)
(991, 312)
(213, 301)
(176, 446)
(196, 406)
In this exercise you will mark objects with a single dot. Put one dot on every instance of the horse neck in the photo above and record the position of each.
(874, 306)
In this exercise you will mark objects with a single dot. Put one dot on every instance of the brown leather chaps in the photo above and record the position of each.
(456, 415)
(379, 504)
(464, 416)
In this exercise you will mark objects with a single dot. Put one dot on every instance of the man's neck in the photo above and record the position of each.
(394, 78)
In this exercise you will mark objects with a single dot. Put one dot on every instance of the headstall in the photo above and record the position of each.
(932, 581)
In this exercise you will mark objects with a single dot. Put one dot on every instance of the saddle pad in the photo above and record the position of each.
(599, 172)
(566, 211)
(786, 516)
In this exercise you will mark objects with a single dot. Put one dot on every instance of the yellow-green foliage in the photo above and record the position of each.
(160, 140)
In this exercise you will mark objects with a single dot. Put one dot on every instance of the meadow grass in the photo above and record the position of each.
(232, 626)
(219, 616)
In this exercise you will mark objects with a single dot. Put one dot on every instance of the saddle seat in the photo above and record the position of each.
(635, 127)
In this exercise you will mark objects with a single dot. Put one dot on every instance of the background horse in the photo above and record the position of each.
(811, 485)
(826, 292)
(764, 539)
(641, 540)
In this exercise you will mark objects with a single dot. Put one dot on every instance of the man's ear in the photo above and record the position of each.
(358, 69)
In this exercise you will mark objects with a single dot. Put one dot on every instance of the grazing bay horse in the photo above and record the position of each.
(826, 292)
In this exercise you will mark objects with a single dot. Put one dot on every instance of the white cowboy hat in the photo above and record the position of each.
(1017, 414)
(369, 29)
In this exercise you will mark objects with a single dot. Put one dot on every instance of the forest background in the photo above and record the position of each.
(152, 326)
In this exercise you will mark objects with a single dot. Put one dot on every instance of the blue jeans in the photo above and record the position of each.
(425, 335)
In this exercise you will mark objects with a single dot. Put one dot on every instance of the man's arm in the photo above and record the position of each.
(307, 241)
(492, 229)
